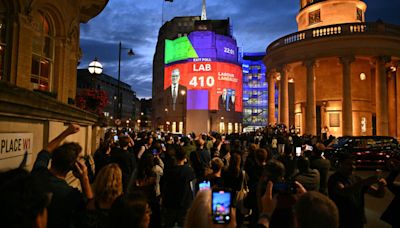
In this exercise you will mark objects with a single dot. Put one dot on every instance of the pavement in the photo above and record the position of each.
(374, 207)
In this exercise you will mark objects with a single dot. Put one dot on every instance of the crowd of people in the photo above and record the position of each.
(151, 179)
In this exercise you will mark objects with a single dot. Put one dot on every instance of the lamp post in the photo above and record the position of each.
(95, 67)
(119, 97)
(183, 93)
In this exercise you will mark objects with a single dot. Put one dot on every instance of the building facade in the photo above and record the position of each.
(255, 92)
(198, 59)
(39, 52)
(345, 71)
(130, 104)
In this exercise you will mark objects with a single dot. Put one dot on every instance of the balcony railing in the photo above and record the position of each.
(337, 30)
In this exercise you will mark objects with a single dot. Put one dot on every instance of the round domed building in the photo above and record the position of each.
(337, 71)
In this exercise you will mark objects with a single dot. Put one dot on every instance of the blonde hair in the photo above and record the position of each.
(108, 183)
(200, 211)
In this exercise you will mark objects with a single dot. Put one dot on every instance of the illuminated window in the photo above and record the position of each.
(359, 14)
(181, 127)
(221, 127)
(173, 127)
(42, 53)
(230, 128)
(314, 17)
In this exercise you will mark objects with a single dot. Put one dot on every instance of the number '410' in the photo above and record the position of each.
(202, 81)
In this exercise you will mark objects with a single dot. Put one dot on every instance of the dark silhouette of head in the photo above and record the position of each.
(315, 210)
(65, 156)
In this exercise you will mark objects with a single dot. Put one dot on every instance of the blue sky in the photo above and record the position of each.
(256, 23)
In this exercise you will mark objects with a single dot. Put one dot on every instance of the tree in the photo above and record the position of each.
(92, 100)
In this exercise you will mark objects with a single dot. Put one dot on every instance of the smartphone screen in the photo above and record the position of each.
(221, 206)
(309, 148)
(154, 151)
(204, 185)
(298, 151)
(115, 138)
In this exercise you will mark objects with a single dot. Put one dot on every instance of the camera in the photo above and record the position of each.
(221, 200)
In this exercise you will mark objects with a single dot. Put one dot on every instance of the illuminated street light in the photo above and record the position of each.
(95, 67)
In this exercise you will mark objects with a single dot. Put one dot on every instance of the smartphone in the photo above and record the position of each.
(115, 138)
(298, 151)
(221, 206)
(309, 148)
(204, 185)
(154, 151)
(284, 188)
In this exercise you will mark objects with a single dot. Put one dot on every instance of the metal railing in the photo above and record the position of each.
(376, 28)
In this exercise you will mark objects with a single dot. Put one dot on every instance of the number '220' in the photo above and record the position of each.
(202, 81)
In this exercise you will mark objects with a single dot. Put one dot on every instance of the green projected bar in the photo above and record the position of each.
(179, 49)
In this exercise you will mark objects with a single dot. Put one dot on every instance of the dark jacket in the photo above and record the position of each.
(391, 214)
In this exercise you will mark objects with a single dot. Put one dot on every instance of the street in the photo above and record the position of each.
(374, 206)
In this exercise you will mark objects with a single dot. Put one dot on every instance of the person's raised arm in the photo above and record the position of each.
(343, 190)
(268, 205)
(43, 157)
(53, 144)
(81, 172)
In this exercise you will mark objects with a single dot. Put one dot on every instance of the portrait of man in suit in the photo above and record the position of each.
(232, 100)
(222, 100)
(176, 92)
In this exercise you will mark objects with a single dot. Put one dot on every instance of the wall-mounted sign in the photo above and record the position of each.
(13, 147)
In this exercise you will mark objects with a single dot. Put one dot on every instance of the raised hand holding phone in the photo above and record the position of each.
(221, 201)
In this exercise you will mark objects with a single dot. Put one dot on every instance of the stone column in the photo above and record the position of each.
(381, 96)
(347, 102)
(391, 76)
(271, 98)
(284, 96)
(397, 65)
(311, 120)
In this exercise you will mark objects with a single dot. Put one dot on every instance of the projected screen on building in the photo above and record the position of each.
(201, 44)
(208, 85)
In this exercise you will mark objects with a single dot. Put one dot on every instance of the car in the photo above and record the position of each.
(370, 152)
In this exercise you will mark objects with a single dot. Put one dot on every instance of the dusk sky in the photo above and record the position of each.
(256, 23)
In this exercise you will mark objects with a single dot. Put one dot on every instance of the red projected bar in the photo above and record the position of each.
(223, 81)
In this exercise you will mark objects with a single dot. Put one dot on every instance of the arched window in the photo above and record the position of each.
(3, 43)
(42, 53)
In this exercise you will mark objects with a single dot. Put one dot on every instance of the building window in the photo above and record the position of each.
(42, 53)
(3, 44)
(359, 14)
(334, 120)
(314, 17)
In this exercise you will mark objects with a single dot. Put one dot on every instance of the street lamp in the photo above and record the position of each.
(119, 97)
(95, 67)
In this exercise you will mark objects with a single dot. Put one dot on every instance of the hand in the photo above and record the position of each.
(300, 190)
(382, 182)
(72, 129)
(371, 180)
(80, 170)
(227, 156)
(268, 203)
